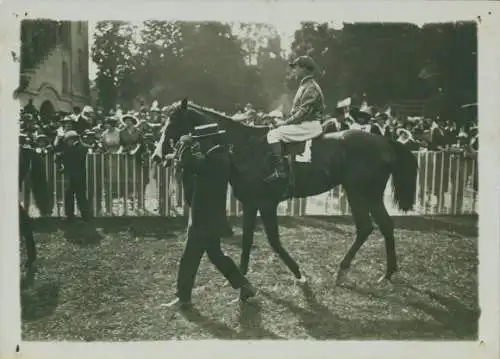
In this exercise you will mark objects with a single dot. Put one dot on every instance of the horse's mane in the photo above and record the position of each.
(223, 116)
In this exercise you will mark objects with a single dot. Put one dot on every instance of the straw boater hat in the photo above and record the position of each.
(88, 109)
(342, 106)
(111, 120)
(42, 138)
(71, 134)
(365, 111)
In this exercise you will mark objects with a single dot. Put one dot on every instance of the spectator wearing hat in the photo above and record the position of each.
(28, 123)
(68, 124)
(406, 138)
(338, 123)
(131, 141)
(436, 137)
(84, 121)
(130, 135)
(110, 138)
(74, 157)
(154, 113)
(365, 115)
(118, 112)
(378, 125)
(474, 139)
(42, 144)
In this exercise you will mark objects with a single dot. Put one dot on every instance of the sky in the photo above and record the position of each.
(286, 30)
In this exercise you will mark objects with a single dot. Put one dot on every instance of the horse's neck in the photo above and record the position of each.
(234, 130)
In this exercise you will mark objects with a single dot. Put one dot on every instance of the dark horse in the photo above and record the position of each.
(361, 162)
(31, 164)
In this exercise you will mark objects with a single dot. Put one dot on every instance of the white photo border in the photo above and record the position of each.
(487, 16)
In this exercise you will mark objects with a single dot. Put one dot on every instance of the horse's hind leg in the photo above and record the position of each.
(386, 226)
(364, 227)
(269, 216)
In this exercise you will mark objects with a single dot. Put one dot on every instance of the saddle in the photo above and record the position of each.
(290, 152)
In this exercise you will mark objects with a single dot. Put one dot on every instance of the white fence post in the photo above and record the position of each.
(459, 197)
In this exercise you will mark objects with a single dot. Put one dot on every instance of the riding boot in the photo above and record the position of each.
(278, 163)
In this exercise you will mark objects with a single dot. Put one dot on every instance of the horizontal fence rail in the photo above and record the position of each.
(119, 185)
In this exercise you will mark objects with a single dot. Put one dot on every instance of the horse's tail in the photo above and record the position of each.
(404, 177)
(40, 185)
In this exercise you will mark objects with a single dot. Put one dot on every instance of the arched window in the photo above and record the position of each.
(65, 77)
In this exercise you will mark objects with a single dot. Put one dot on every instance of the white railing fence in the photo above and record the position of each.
(118, 185)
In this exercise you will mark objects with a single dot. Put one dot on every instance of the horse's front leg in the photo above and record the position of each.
(249, 219)
(269, 215)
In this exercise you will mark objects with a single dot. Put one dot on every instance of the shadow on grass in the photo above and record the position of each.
(40, 301)
(217, 329)
(320, 323)
(455, 316)
(460, 225)
(250, 321)
(82, 234)
(168, 227)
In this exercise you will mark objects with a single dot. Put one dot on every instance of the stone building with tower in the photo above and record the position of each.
(54, 71)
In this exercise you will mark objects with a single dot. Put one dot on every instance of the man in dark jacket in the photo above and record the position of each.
(206, 171)
(74, 157)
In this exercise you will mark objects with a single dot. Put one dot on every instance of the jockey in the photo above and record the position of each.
(304, 122)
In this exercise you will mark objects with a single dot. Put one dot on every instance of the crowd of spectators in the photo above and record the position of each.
(122, 131)
(416, 133)
(118, 131)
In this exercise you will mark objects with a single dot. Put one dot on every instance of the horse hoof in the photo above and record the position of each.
(178, 304)
(341, 277)
(302, 279)
(384, 280)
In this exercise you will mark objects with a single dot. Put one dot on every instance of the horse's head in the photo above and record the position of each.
(182, 121)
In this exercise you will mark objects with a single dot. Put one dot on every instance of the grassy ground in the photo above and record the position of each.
(111, 287)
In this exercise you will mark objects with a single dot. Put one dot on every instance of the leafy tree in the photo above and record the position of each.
(113, 51)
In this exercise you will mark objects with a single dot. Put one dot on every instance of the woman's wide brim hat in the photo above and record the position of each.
(207, 131)
(129, 116)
